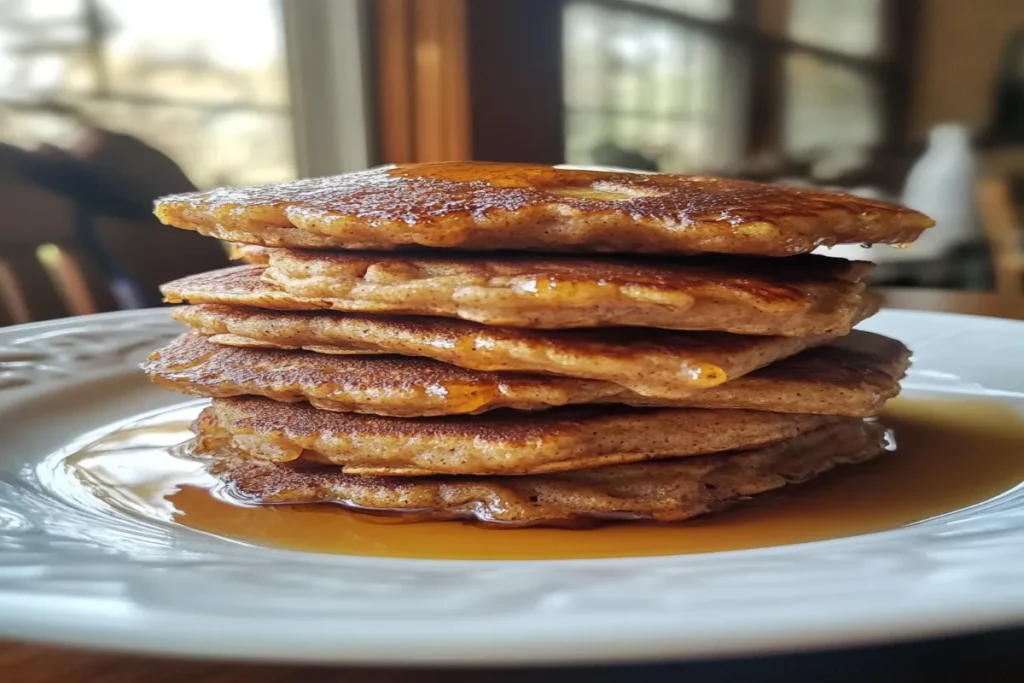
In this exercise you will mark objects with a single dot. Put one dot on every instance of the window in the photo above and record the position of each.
(704, 85)
(852, 27)
(830, 105)
(704, 9)
(202, 80)
(641, 92)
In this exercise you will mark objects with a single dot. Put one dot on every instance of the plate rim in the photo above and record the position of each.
(652, 638)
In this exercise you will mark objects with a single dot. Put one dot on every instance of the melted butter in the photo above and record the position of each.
(579, 292)
(555, 288)
(703, 375)
(460, 397)
(467, 344)
(951, 455)
(591, 192)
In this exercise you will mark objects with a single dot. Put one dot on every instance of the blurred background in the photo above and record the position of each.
(107, 104)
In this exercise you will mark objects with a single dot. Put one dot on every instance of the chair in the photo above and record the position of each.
(1003, 232)
(76, 224)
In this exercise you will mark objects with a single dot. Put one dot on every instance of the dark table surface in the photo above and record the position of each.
(978, 658)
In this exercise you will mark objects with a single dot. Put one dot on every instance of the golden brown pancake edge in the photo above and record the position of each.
(665, 490)
(499, 442)
(853, 377)
(742, 304)
(479, 205)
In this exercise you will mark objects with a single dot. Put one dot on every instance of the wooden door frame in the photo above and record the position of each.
(445, 92)
(422, 83)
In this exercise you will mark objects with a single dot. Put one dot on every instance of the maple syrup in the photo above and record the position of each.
(950, 455)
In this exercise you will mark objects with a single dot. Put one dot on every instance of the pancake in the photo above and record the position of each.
(397, 386)
(794, 297)
(666, 491)
(487, 206)
(249, 253)
(501, 442)
(657, 363)
(854, 377)
(833, 310)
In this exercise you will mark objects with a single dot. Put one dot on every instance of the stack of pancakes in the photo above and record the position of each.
(529, 344)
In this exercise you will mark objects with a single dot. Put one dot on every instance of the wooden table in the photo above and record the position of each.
(989, 657)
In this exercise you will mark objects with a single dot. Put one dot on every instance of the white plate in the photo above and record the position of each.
(69, 575)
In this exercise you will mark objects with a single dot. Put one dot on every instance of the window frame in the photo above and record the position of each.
(760, 28)
(325, 45)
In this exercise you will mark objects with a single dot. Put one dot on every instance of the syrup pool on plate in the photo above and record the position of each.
(950, 455)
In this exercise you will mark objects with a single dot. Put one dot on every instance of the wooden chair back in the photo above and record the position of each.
(50, 281)
(43, 275)
(1002, 224)
(73, 227)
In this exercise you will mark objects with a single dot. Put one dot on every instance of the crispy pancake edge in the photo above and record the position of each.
(742, 304)
(479, 205)
(667, 490)
(853, 377)
(500, 442)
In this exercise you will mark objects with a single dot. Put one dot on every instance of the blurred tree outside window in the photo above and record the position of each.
(714, 85)
(641, 92)
(827, 105)
(204, 81)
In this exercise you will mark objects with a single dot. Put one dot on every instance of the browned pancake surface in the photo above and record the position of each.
(656, 363)
(667, 490)
(742, 304)
(249, 253)
(854, 377)
(500, 442)
(476, 205)
(796, 297)
(398, 386)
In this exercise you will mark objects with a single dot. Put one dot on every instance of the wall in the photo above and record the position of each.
(961, 47)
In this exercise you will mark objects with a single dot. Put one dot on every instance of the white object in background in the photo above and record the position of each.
(940, 184)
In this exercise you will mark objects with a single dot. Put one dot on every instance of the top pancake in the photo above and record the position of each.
(488, 206)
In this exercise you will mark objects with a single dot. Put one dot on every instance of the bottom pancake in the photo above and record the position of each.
(664, 491)
(498, 443)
